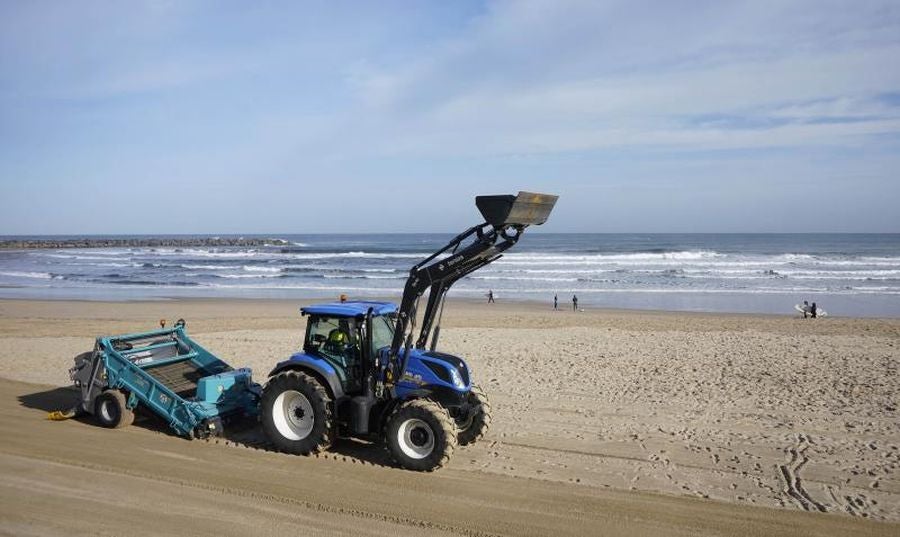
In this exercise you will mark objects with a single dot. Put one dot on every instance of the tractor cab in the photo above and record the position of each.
(337, 341)
(336, 334)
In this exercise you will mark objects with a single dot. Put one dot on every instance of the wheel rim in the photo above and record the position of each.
(416, 439)
(106, 413)
(293, 415)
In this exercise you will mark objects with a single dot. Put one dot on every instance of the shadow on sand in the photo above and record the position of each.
(66, 398)
(247, 433)
(244, 433)
(50, 400)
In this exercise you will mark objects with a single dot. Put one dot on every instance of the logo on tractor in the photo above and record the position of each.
(414, 378)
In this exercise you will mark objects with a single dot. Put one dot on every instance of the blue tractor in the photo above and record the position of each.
(360, 373)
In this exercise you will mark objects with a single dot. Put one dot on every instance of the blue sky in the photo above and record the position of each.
(242, 117)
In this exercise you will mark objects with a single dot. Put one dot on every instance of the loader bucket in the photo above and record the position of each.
(525, 209)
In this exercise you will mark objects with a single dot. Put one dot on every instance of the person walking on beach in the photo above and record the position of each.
(490, 296)
(805, 309)
(574, 303)
(813, 310)
(555, 302)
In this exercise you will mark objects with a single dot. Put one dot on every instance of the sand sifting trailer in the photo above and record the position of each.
(169, 374)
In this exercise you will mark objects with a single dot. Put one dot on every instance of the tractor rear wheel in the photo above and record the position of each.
(296, 413)
(473, 427)
(420, 435)
(111, 411)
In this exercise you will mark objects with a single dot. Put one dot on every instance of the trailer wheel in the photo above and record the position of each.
(296, 414)
(420, 435)
(111, 411)
(473, 427)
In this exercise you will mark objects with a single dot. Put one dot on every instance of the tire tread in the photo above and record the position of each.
(126, 415)
(445, 422)
(291, 380)
(473, 434)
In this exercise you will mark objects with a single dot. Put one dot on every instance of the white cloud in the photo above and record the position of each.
(562, 76)
(571, 96)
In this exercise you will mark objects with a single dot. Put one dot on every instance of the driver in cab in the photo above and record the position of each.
(340, 346)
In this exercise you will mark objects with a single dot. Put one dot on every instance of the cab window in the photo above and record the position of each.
(382, 332)
(335, 338)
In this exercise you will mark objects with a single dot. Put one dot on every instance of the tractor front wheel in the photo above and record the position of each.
(296, 413)
(477, 421)
(420, 435)
(111, 410)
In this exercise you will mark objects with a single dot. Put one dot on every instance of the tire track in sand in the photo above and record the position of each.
(790, 473)
(256, 495)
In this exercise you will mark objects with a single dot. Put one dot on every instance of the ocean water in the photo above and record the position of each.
(846, 274)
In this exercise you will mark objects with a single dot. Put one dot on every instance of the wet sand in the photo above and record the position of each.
(605, 422)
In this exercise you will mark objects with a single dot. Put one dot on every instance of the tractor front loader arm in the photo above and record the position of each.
(506, 218)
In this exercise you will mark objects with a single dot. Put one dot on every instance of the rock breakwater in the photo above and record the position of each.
(147, 242)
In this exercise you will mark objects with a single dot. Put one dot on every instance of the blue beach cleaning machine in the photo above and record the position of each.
(168, 373)
(367, 369)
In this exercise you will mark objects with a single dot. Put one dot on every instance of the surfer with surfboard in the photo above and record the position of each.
(810, 310)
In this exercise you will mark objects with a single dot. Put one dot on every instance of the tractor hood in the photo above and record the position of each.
(438, 369)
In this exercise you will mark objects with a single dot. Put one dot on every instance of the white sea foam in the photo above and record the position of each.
(526, 279)
(78, 257)
(244, 276)
(354, 277)
(870, 262)
(210, 267)
(299, 287)
(251, 268)
(358, 255)
(197, 252)
(224, 255)
(688, 255)
(97, 251)
(35, 275)
(119, 265)
(841, 273)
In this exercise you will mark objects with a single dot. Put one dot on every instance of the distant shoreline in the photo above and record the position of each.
(192, 242)
(512, 307)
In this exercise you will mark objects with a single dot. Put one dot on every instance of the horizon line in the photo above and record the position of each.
(273, 235)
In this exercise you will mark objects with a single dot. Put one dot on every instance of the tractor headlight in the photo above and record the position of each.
(456, 378)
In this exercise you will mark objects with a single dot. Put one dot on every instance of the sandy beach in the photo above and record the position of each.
(605, 422)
